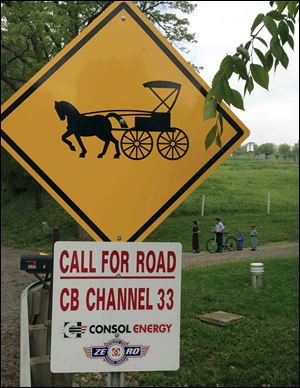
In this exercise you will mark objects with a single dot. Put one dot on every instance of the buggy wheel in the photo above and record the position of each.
(231, 244)
(211, 245)
(173, 144)
(136, 145)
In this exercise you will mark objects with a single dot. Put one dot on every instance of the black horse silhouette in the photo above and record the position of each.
(81, 125)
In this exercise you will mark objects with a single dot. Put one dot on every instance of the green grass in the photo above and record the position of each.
(236, 191)
(260, 351)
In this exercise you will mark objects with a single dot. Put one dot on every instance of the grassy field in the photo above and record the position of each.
(236, 191)
(260, 351)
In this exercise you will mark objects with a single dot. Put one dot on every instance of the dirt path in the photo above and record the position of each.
(13, 281)
(266, 251)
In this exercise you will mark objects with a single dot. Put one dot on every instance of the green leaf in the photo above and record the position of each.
(218, 141)
(249, 85)
(283, 31)
(261, 57)
(211, 136)
(221, 88)
(259, 18)
(216, 79)
(244, 52)
(237, 99)
(291, 42)
(284, 60)
(279, 52)
(260, 75)
(276, 64)
(240, 68)
(262, 41)
(226, 67)
(291, 25)
(220, 119)
(270, 25)
(275, 15)
(292, 7)
(247, 45)
(269, 61)
(210, 109)
(226, 91)
(281, 5)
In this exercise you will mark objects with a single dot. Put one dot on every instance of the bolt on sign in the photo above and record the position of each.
(117, 307)
(113, 128)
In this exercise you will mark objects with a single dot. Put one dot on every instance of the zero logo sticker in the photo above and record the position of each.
(116, 351)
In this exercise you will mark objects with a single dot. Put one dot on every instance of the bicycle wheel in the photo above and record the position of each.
(231, 243)
(211, 245)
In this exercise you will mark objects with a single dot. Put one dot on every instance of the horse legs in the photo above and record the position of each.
(83, 149)
(116, 143)
(106, 144)
(64, 139)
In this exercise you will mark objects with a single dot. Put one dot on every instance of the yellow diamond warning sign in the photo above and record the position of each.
(113, 128)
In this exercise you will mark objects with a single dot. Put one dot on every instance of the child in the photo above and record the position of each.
(195, 237)
(253, 235)
(240, 241)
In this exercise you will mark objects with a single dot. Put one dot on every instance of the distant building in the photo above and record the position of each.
(250, 146)
(261, 156)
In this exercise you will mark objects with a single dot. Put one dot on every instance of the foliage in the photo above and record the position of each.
(252, 63)
(285, 150)
(266, 148)
(33, 32)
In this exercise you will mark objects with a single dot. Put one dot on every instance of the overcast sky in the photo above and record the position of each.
(271, 116)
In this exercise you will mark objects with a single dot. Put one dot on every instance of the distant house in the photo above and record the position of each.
(261, 156)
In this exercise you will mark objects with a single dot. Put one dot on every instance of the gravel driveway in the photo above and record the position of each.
(13, 281)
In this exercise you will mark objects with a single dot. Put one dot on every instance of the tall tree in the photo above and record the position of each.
(33, 32)
(285, 150)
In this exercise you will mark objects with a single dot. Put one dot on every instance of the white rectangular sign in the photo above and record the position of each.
(116, 307)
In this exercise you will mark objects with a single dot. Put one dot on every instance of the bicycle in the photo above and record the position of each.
(228, 242)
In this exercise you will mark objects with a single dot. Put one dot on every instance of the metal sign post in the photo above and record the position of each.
(115, 379)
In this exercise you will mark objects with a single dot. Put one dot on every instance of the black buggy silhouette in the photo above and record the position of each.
(172, 143)
(136, 142)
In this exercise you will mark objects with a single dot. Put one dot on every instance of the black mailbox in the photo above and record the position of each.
(37, 263)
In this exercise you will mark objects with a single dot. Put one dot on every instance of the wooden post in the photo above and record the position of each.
(203, 202)
(269, 202)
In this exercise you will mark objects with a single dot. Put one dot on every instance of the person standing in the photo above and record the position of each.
(219, 228)
(195, 237)
(253, 236)
(240, 241)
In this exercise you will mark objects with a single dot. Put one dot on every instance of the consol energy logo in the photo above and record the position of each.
(77, 329)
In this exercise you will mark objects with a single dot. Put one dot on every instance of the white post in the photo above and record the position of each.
(269, 202)
(203, 202)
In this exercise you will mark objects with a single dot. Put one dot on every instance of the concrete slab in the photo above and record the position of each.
(221, 318)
